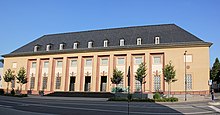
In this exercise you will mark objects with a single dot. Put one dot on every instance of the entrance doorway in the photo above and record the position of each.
(103, 83)
(72, 84)
(87, 83)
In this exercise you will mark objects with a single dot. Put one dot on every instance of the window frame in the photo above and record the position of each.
(75, 45)
(139, 40)
(105, 43)
(122, 42)
(157, 40)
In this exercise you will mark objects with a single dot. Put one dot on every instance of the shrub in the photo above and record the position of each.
(2, 92)
(171, 99)
(157, 96)
(21, 95)
(13, 92)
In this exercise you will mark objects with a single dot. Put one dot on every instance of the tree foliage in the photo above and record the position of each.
(169, 75)
(8, 77)
(117, 76)
(21, 77)
(215, 70)
(141, 72)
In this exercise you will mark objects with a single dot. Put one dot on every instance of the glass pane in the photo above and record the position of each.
(73, 63)
(121, 61)
(59, 64)
(46, 64)
(138, 60)
(88, 62)
(33, 65)
(157, 60)
(104, 61)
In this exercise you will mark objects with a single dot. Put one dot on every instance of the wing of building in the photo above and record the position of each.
(84, 61)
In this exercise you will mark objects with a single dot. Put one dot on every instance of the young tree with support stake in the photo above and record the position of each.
(117, 77)
(21, 77)
(169, 75)
(141, 74)
(8, 77)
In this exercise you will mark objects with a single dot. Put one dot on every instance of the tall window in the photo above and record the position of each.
(105, 43)
(33, 65)
(157, 60)
(73, 63)
(13, 84)
(121, 61)
(157, 83)
(138, 41)
(157, 40)
(138, 60)
(48, 47)
(90, 44)
(88, 62)
(75, 45)
(44, 82)
(189, 81)
(36, 48)
(61, 47)
(137, 85)
(59, 64)
(122, 42)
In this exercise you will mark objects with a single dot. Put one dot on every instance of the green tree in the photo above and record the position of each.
(21, 77)
(8, 77)
(141, 74)
(215, 69)
(169, 75)
(117, 77)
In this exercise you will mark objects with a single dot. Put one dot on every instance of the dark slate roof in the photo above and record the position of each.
(168, 33)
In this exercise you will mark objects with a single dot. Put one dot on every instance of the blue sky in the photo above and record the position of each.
(23, 21)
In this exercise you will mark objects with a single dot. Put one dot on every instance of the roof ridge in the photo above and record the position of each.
(125, 27)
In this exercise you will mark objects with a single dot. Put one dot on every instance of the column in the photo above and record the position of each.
(94, 73)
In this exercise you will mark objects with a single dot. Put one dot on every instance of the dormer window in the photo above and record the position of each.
(138, 41)
(75, 45)
(48, 47)
(105, 43)
(122, 42)
(36, 48)
(90, 44)
(61, 47)
(157, 40)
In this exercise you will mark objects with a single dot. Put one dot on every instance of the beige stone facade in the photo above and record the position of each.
(91, 70)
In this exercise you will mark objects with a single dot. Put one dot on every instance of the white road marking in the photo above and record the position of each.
(5, 106)
(215, 108)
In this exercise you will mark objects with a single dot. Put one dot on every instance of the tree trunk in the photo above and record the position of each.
(141, 90)
(7, 86)
(168, 89)
(20, 88)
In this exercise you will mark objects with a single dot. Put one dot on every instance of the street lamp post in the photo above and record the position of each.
(185, 76)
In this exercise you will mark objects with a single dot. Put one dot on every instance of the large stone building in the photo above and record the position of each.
(84, 61)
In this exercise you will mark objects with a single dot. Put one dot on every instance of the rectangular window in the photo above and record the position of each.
(36, 48)
(138, 60)
(157, 40)
(89, 44)
(139, 41)
(106, 43)
(187, 58)
(14, 65)
(33, 65)
(73, 63)
(32, 82)
(46, 64)
(45, 82)
(104, 61)
(61, 47)
(88, 62)
(121, 61)
(59, 64)
(48, 47)
(189, 81)
(58, 82)
(157, 60)
(122, 42)
(75, 45)
(157, 83)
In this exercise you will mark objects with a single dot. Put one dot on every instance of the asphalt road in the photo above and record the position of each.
(90, 106)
